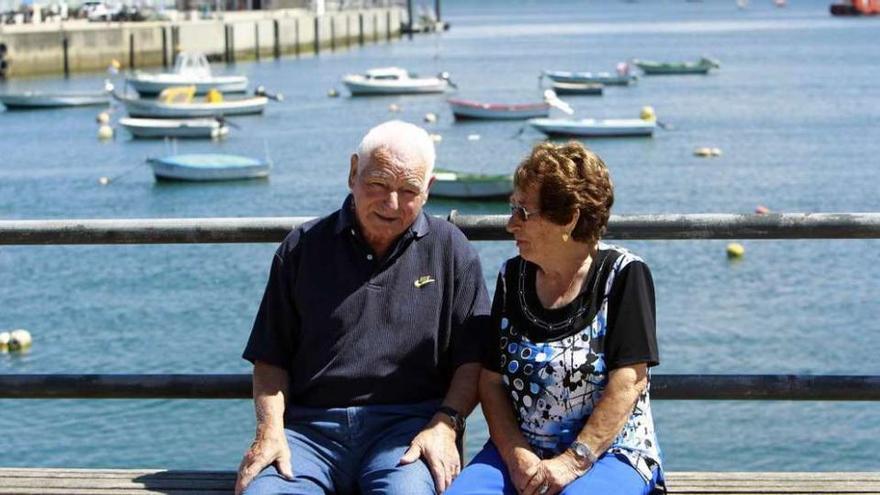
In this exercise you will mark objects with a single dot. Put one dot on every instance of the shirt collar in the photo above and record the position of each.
(346, 220)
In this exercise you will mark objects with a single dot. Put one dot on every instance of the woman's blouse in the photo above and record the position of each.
(555, 362)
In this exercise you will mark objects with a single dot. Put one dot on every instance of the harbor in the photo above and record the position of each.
(789, 135)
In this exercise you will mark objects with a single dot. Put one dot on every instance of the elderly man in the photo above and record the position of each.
(366, 345)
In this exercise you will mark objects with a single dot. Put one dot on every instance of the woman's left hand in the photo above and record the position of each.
(553, 475)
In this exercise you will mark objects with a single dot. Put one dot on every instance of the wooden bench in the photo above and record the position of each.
(21, 481)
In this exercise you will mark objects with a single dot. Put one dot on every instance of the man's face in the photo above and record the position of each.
(388, 195)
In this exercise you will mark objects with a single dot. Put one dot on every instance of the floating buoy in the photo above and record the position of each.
(647, 113)
(436, 138)
(394, 107)
(103, 118)
(430, 117)
(703, 151)
(19, 340)
(761, 210)
(735, 250)
(473, 137)
(332, 93)
(4, 341)
(105, 132)
(716, 151)
(104, 181)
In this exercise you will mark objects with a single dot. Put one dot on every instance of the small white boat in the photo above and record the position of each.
(208, 167)
(468, 109)
(394, 81)
(177, 103)
(604, 78)
(593, 89)
(459, 185)
(190, 69)
(177, 128)
(595, 127)
(36, 100)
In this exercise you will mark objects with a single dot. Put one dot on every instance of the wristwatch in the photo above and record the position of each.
(458, 422)
(583, 452)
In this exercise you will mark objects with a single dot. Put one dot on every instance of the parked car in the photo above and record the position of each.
(100, 11)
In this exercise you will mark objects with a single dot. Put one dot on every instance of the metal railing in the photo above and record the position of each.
(477, 228)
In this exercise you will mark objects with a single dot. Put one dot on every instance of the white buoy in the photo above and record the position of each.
(430, 117)
(104, 180)
(716, 151)
(4, 341)
(394, 107)
(19, 340)
(103, 118)
(105, 132)
(473, 137)
(332, 93)
(436, 138)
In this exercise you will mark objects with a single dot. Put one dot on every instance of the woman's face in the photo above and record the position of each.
(535, 236)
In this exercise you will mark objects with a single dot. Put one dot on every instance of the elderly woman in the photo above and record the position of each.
(565, 382)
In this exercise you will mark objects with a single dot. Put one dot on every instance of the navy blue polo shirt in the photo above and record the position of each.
(353, 329)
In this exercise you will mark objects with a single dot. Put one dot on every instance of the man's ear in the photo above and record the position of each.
(352, 173)
(430, 183)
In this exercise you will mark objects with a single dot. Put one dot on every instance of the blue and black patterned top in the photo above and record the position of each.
(555, 362)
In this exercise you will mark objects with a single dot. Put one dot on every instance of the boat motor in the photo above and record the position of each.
(261, 91)
(445, 76)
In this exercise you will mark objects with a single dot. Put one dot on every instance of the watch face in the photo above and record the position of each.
(580, 449)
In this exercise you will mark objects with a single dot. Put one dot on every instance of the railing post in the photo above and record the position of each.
(64, 50)
(276, 42)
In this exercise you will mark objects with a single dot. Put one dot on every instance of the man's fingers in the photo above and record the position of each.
(439, 475)
(411, 455)
(282, 464)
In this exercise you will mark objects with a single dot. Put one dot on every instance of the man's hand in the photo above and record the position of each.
(522, 466)
(553, 475)
(436, 444)
(268, 448)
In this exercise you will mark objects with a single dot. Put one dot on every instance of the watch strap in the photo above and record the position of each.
(458, 421)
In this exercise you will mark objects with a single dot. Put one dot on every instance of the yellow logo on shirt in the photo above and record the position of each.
(423, 281)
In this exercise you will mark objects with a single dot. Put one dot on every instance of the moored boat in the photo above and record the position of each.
(394, 81)
(595, 127)
(178, 103)
(461, 185)
(468, 109)
(177, 128)
(208, 167)
(38, 100)
(190, 69)
(592, 89)
(701, 66)
(622, 77)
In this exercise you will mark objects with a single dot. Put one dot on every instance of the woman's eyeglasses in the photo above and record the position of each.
(521, 212)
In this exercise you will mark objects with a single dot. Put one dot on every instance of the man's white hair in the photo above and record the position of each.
(407, 142)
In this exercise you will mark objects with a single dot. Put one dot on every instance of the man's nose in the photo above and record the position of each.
(391, 201)
(511, 224)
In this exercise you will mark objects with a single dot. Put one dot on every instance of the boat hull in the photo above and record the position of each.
(591, 89)
(464, 110)
(452, 185)
(186, 129)
(208, 168)
(153, 84)
(604, 78)
(29, 101)
(155, 109)
(595, 128)
(362, 87)
(661, 71)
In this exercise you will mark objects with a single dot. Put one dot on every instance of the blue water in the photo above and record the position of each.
(794, 109)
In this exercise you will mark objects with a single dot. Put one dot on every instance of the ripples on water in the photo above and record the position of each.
(793, 108)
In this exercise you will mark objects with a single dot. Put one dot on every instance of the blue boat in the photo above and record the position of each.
(208, 167)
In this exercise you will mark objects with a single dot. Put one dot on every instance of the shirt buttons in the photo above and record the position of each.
(370, 257)
(352, 231)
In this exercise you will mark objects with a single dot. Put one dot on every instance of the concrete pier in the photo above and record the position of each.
(80, 46)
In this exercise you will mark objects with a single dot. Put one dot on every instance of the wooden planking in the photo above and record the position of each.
(53, 481)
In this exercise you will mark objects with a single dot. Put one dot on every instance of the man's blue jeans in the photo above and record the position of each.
(351, 450)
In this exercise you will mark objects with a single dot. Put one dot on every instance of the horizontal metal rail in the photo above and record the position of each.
(476, 227)
(238, 386)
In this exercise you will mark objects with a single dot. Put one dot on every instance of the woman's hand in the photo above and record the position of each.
(553, 475)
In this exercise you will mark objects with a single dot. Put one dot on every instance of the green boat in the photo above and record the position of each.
(459, 185)
(701, 66)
